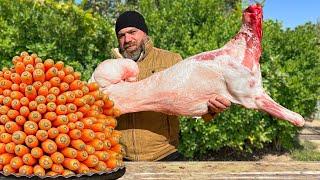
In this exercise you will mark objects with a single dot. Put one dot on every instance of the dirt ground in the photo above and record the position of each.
(222, 170)
(276, 158)
(265, 154)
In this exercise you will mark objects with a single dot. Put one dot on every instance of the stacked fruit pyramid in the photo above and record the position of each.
(52, 123)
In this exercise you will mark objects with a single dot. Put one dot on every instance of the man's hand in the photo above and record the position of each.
(218, 104)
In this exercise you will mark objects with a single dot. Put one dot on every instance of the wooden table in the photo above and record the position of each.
(222, 170)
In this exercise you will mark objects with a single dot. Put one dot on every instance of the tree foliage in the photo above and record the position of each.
(289, 64)
(60, 31)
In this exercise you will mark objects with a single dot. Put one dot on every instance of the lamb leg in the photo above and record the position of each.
(265, 103)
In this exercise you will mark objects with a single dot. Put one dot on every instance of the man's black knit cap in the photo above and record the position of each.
(131, 19)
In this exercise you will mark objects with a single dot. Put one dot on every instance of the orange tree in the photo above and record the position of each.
(60, 31)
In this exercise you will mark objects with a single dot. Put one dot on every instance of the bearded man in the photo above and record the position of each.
(149, 136)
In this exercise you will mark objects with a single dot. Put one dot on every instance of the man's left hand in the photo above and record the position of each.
(218, 104)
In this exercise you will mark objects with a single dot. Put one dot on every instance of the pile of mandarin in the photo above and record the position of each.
(52, 123)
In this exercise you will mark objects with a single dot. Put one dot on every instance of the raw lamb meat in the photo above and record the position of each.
(232, 71)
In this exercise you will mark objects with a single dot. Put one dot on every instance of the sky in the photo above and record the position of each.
(292, 12)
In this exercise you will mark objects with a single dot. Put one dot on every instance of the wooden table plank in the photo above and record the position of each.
(220, 170)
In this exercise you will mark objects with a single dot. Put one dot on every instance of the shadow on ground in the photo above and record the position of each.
(268, 153)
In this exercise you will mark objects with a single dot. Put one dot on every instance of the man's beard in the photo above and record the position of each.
(134, 55)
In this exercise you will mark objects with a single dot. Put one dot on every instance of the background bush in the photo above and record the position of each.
(61, 31)
(289, 65)
(83, 38)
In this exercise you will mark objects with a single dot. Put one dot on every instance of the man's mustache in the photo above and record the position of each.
(128, 45)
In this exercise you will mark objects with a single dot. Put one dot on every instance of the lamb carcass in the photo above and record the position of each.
(232, 71)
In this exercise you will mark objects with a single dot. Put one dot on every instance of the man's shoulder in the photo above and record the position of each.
(167, 55)
(166, 52)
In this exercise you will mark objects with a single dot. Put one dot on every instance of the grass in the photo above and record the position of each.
(307, 152)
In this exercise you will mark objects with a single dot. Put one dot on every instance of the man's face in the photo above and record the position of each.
(131, 41)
